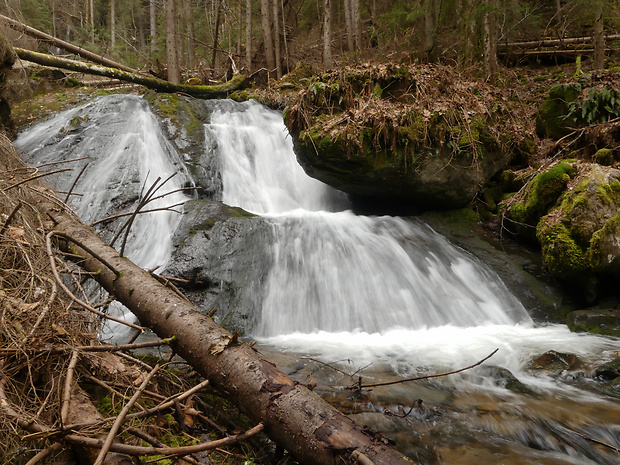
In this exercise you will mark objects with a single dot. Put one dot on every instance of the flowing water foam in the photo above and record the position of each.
(119, 141)
(392, 293)
(348, 284)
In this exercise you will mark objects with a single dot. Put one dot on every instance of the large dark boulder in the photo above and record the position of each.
(422, 135)
(221, 259)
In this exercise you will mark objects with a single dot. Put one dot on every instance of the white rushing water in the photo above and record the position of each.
(119, 140)
(347, 286)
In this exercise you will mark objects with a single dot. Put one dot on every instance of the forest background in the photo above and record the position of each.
(206, 39)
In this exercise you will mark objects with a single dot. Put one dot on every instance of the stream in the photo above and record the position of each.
(346, 296)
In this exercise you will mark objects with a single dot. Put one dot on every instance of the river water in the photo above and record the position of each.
(350, 296)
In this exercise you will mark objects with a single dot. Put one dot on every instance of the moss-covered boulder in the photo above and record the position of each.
(553, 119)
(573, 209)
(600, 321)
(421, 135)
(538, 198)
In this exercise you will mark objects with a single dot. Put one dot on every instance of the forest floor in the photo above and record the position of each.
(42, 330)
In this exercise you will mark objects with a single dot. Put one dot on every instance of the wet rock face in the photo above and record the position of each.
(555, 362)
(221, 257)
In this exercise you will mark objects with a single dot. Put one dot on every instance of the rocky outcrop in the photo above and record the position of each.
(422, 135)
(221, 258)
(571, 210)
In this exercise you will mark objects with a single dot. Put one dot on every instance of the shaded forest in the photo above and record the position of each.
(204, 39)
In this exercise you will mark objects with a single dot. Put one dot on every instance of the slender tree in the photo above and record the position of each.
(112, 23)
(191, 49)
(490, 41)
(174, 75)
(598, 35)
(218, 8)
(153, 26)
(349, 26)
(276, 39)
(328, 61)
(265, 12)
(248, 34)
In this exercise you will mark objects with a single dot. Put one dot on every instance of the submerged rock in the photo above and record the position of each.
(555, 362)
(605, 322)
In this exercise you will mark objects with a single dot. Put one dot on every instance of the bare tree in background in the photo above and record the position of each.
(265, 12)
(328, 61)
(174, 75)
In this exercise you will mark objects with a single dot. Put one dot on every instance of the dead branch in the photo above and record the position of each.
(419, 378)
(81, 303)
(10, 218)
(66, 396)
(210, 91)
(32, 178)
(44, 453)
(65, 45)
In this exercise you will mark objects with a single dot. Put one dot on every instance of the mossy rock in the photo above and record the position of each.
(604, 157)
(606, 322)
(560, 253)
(541, 195)
(551, 118)
(609, 371)
(604, 252)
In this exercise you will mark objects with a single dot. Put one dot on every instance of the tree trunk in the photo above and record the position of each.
(327, 34)
(356, 23)
(429, 27)
(248, 34)
(214, 91)
(65, 45)
(191, 49)
(218, 7)
(276, 39)
(112, 23)
(91, 5)
(153, 21)
(349, 26)
(239, 26)
(174, 74)
(490, 41)
(598, 36)
(266, 23)
(294, 417)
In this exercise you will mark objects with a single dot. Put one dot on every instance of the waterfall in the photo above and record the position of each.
(116, 139)
(334, 270)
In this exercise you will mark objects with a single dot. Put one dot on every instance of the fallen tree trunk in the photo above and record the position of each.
(211, 91)
(294, 417)
(21, 27)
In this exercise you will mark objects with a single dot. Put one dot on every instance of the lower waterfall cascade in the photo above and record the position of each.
(380, 297)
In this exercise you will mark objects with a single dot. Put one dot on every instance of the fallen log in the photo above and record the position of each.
(21, 27)
(294, 417)
(211, 91)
